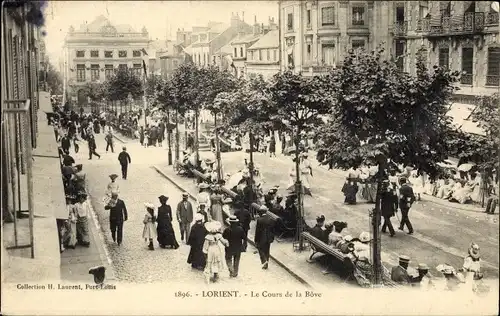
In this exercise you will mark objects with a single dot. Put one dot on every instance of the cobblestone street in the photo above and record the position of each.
(132, 261)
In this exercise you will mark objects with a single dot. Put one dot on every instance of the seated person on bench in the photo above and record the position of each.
(335, 237)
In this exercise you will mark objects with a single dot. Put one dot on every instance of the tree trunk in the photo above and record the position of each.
(169, 135)
(196, 143)
(217, 150)
(177, 135)
(250, 166)
(299, 191)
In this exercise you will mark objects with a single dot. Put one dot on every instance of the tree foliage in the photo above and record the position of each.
(153, 84)
(216, 82)
(122, 83)
(95, 91)
(379, 110)
(54, 79)
(185, 85)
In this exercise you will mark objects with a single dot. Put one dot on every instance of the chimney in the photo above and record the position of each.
(254, 19)
(243, 16)
(256, 28)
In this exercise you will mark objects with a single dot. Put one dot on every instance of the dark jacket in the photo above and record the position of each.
(235, 236)
(65, 142)
(124, 158)
(264, 230)
(317, 232)
(406, 196)
(68, 160)
(92, 144)
(118, 213)
(400, 275)
(244, 217)
(164, 214)
(389, 204)
(184, 214)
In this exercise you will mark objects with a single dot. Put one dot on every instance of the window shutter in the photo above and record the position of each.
(467, 60)
(494, 61)
(444, 57)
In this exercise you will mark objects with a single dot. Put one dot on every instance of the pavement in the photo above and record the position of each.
(132, 261)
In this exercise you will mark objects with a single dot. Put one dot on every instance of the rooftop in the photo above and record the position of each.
(101, 22)
(269, 40)
(246, 38)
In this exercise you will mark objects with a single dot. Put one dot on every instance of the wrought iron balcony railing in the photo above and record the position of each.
(400, 28)
(466, 79)
(492, 81)
(469, 23)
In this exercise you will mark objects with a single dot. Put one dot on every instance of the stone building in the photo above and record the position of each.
(174, 54)
(95, 51)
(263, 56)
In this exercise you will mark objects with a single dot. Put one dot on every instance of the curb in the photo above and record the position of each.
(103, 252)
(251, 242)
(119, 139)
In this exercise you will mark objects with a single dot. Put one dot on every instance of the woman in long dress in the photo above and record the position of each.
(216, 208)
(70, 235)
(196, 240)
(306, 173)
(214, 248)
(204, 195)
(361, 254)
(478, 191)
(164, 228)
(82, 222)
(149, 231)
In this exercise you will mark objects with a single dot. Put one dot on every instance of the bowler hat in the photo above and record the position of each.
(233, 219)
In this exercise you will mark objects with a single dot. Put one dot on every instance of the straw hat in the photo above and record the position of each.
(422, 267)
(364, 237)
(149, 205)
(198, 217)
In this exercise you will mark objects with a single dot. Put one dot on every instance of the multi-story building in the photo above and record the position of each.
(95, 51)
(155, 50)
(206, 42)
(175, 54)
(263, 56)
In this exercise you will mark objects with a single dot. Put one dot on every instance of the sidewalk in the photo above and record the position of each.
(281, 252)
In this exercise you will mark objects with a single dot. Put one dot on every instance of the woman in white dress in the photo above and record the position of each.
(477, 192)
(306, 173)
(214, 248)
(204, 195)
(416, 184)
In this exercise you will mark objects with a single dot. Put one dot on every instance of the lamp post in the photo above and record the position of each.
(169, 134)
(217, 149)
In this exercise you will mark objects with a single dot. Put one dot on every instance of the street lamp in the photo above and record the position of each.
(169, 135)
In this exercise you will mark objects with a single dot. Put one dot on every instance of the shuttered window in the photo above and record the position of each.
(80, 73)
(328, 16)
(493, 72)
(444, 57)
(467, 64)
(289, 21)
(400, 50)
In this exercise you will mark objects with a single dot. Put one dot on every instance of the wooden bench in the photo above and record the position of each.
(287, 229)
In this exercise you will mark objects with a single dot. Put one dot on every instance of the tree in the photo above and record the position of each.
(381, 113)
(53, 78)
(300, 101)
(122, 83)
(153, 84)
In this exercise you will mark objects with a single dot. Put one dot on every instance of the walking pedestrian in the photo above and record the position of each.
(244, 218)
(264, 236)
(65, 143)
(196, 240)
(117, 216)
(109, 141)
(76, 146)
(124, 159)
(216, 204)
(406, 199)
(184, 216)
(141, 135)
(92, 147)
(272, 146)
(235, 235)
(213, 248)
(165, 231)
(82, 223)
(149, 231)
(389, 206)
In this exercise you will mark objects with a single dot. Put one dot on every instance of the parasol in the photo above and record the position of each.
(466, 167)
(234, 179)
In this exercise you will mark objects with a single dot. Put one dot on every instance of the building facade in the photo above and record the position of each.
(175, 53)
(263, 56)
(96, 50)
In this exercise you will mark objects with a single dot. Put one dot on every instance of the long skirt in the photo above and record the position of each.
(82, 229)
(69, 234)
(216, 212)
(166, 235)
(215, 260)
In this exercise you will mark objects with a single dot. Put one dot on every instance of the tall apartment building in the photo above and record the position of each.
(95, 51)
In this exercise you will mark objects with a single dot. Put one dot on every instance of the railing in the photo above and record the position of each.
(469, 23)
(466, 79)
(17, 155)
(400, 28)
(492, 81)
(100, 34)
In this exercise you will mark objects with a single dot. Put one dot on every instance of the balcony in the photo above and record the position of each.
(492, 81)
(468, 24)
(400, 28)
(466, 79)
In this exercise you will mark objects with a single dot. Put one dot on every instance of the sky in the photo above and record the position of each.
(159, 17)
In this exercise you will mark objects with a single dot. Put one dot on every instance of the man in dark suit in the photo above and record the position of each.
(406, 199)
(92, 147)
(235, 235)
(124, 159)
(117, 216)
(65, 144)
(264, 235)
(184, 216)
(399, 274)
(389, 206)
(244, 218)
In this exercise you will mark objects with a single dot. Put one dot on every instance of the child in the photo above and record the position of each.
(149, 231)
(214, 248)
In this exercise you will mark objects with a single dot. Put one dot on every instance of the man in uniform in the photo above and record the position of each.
(406, 199)
(399, 274)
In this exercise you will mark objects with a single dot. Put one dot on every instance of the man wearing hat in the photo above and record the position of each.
(244, 219)
(270, 196)
(235, 235)
(406, 199)
(117, 216)
(264, 235)
(124, 159)
(184, 215)
(399, 274)
(425, 280)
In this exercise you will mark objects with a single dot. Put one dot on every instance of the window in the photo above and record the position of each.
(235, 52)
(328, 16)
(241, 52)
(122, 53)
(137, 69)
(80, 53)
(80, 73)
(274, 55)
(108, 54)
(308, 56)
(308, 18)
(289, 22)
(94, 72)
(444, 57)
(136, 53)
(358, 16)
(108, 71)
(400, 14)
(328, 54)
(467, 65)
(357, 44)
(268, 53)
(122, 66)
(252, 55)
(94, 53)
(493, 72)
(469, 6)
(400, 50)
